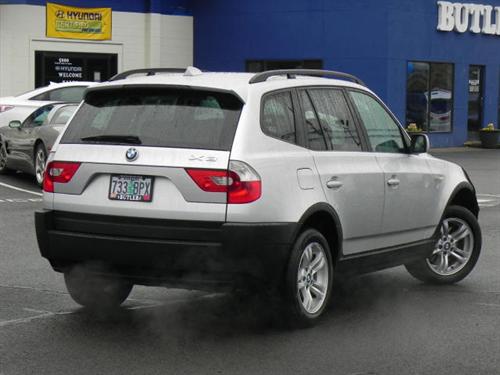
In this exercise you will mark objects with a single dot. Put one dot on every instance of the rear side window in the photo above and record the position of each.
(65, 94)
(277, 119)
(160, 117)
(315, 138)
(336, 120)
(63, 114)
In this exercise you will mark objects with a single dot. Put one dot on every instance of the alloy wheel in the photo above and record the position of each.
(453, 249)
(312, 278)
(40, 160)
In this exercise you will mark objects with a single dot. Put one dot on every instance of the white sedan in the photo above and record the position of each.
(21, 106)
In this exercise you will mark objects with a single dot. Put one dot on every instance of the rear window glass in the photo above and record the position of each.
(157, 117)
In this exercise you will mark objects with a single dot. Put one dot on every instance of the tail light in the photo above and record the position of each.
(241, 182)
(58, 171)
(4, 108)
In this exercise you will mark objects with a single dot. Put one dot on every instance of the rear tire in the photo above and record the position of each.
(456, 251)
(95, 291)
(308, 280)
(40, 160)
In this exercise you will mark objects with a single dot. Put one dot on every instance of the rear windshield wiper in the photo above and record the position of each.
(127, 139)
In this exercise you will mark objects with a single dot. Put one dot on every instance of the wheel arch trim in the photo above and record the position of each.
(461, 187)
(324, 208)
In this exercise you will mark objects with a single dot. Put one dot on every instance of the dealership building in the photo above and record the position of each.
(435, 63)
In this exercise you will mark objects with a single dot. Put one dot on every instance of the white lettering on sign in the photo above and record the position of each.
(476, 18)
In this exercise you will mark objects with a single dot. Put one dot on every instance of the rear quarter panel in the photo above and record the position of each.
(277, 162)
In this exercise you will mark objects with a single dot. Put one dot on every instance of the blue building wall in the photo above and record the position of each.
(373, 39)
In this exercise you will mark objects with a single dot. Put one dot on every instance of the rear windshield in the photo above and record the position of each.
(183, 118)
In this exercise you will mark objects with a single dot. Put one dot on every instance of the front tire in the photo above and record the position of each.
(3, 159)
(456, 251)
(95, 291)
(308, 279)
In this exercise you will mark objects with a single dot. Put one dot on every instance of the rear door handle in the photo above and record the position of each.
(334, 183)
(393, 181)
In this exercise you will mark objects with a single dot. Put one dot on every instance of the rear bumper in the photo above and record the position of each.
(157, 252)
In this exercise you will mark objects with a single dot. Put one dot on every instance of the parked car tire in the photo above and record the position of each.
(456, 251)
(94, 291)
(3, 160)
(40, 160)
(308, 279)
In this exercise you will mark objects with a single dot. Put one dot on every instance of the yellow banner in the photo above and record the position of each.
(78, 23)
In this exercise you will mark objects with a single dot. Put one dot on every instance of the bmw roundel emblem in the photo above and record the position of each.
(131, 154)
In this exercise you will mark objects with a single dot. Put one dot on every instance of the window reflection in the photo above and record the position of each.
(429, 98)
(416, 94)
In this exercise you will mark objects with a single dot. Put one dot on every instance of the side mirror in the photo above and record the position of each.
(419, 144)
(15, 124)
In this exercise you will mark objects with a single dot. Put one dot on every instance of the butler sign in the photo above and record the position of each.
(476, 18)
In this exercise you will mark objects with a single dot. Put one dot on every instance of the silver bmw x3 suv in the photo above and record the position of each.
(281, 180)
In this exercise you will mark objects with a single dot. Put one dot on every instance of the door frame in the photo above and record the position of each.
(482, 69)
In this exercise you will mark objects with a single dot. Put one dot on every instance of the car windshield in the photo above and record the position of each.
(158, 117)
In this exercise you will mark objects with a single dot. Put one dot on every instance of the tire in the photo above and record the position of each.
(39, 161)
(459, 243)
(308, 281)
(95, 291)
(3, 160)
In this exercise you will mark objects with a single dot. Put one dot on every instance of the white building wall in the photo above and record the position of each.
(140, 40)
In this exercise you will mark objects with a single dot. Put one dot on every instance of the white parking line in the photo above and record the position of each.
(488, 200)
(41, 315)
(489, 304)
(20, 200)
(20, 189)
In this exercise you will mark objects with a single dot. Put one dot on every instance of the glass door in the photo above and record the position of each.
(476, 93)
(54, 66)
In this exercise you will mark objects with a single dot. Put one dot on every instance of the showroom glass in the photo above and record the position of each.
(429, 96)
(277, 118)
(383, 132)
(335, 118)
(262, 65)
(158, 117)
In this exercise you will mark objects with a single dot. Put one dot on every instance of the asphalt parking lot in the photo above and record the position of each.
(381, 323)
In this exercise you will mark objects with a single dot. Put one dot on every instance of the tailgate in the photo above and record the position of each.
(174, 194)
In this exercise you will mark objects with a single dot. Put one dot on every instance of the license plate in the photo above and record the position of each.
(131, 188)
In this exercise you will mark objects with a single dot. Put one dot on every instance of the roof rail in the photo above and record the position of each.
(146, 71)
(292, 73)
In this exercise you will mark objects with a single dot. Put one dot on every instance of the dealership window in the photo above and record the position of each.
(262, 65)
(429, 96)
